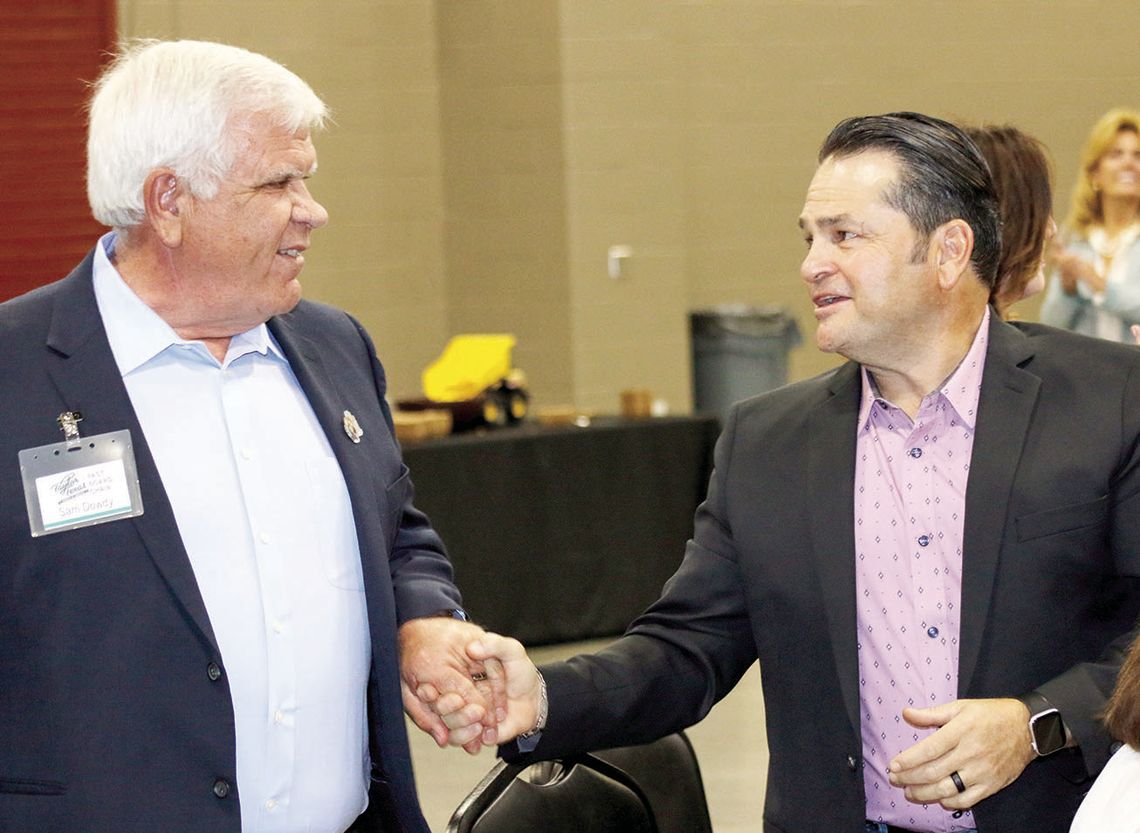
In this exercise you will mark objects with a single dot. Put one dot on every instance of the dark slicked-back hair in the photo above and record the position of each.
(942, 177)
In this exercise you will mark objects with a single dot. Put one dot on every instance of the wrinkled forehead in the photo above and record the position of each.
(262, 142)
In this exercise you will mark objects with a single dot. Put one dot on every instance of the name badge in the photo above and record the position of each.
(80, 482)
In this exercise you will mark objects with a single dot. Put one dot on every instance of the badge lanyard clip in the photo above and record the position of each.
(69, 425)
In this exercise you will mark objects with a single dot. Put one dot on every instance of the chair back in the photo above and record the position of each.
(667, 772)
(582, 794)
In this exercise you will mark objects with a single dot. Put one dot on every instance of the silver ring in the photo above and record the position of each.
(957, 779)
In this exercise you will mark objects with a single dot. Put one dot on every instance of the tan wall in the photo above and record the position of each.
(505, 182)
(487, 152)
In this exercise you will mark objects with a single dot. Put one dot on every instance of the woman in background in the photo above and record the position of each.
(1113, 803)
(1095, 283)
(1022, 178)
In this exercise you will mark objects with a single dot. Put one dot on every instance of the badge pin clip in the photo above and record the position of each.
(69, 425)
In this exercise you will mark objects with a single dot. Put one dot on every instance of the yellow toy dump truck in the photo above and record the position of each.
(474, 379)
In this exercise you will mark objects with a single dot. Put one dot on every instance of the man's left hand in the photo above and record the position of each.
(986, 742)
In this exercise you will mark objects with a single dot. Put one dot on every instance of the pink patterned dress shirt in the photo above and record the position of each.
(910, 497)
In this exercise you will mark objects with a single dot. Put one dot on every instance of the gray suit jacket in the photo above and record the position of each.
(113, 721)
(1050, 588)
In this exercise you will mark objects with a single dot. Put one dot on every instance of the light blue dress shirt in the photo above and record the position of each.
(265, 516)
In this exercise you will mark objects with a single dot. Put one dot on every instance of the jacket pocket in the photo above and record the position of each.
(27, 786)
(1063, 519)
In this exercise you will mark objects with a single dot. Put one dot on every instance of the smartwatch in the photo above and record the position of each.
(1046, 728)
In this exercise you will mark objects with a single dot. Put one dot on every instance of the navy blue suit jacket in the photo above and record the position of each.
(113, 715)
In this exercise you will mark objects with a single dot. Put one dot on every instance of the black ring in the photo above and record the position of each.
(957, 779)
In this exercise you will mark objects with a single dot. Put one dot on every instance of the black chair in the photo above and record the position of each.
(650, 788)
(668, 774)
(582, 794)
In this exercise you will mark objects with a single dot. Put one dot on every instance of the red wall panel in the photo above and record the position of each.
(49, 54)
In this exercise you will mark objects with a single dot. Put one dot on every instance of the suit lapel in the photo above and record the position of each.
(326, 400)
(831, 485)
(329, 402)
(1005, 408)
(84, 372)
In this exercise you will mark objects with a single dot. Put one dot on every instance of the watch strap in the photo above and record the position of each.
(1036, 702)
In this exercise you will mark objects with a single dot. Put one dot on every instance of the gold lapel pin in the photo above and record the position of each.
(352, 427)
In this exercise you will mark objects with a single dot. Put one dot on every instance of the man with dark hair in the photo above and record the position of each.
(933, 550)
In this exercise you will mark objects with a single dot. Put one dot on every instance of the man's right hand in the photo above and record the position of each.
(523, 693)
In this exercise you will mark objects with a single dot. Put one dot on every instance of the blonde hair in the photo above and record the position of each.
(1086, 209)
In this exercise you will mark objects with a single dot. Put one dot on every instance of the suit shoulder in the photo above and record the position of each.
(28, 314)
(314, 313)
(1071, 352)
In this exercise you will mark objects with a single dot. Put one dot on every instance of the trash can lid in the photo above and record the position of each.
(745, 320)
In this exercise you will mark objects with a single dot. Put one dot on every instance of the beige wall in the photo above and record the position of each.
(504, 186)
(488, 152)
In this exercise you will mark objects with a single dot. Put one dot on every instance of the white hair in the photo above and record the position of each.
(171, 104)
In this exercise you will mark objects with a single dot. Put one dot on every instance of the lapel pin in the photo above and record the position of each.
(352, 427)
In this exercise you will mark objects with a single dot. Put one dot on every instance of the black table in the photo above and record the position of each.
(566, 533)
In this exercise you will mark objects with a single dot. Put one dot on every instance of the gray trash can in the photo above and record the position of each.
(739, 351)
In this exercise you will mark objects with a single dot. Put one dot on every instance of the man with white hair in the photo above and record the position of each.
(213, 584)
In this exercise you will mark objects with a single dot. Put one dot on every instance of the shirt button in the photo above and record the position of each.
(923, 540)
(221, 788)
(278, 716)
(915, 453)
(263, 537)
(271, 804)
(246, 454)
(278, 627)
(932, 631)
(213, 672)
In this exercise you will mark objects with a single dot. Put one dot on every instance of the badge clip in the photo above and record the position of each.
(69, 425)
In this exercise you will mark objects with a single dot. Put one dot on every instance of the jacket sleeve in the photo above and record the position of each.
(676, 660)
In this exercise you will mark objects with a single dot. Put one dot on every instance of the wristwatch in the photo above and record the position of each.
(453, 613)
(1046, 728)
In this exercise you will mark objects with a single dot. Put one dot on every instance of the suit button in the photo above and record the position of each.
(852, 764)
(221, 788)
(213, 672)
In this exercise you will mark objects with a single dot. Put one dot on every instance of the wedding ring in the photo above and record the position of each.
(957, 779)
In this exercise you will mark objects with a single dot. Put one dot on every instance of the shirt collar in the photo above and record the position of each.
(961, 388)
(137, 333)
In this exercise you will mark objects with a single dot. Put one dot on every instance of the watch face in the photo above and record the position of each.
(1048, 732)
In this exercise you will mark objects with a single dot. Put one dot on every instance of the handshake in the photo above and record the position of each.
(468, 687)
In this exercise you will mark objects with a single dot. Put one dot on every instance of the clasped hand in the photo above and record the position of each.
(474, 688)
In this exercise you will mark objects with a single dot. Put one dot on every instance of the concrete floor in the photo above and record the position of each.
(730, 743)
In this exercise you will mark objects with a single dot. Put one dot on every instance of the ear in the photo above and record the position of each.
(163, 197)
(954, 244)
